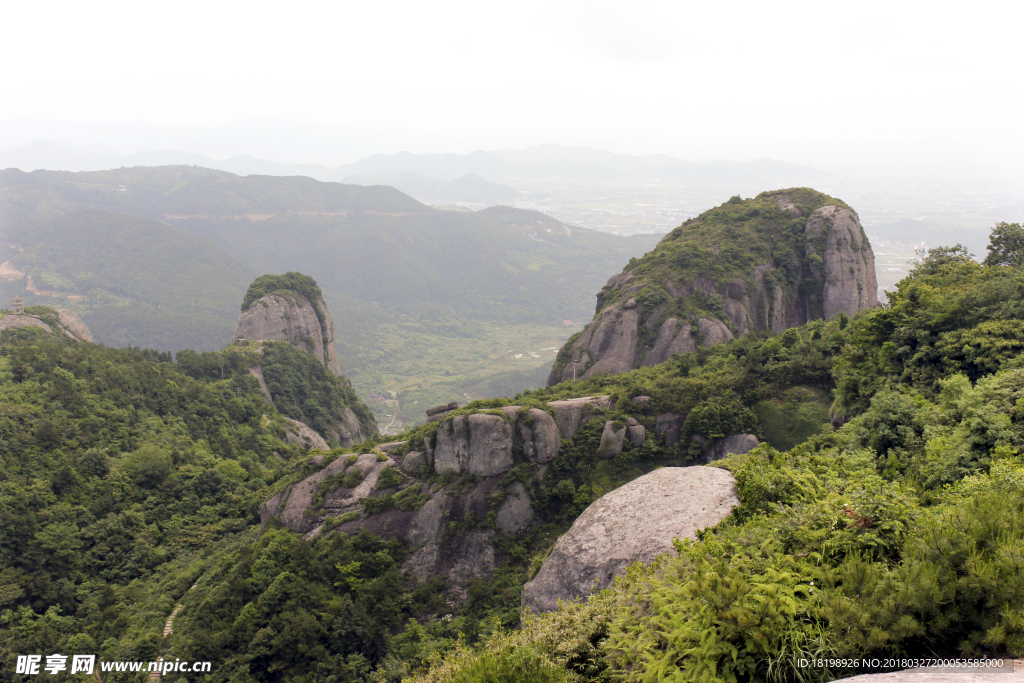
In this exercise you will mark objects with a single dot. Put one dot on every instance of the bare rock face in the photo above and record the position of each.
(478, 444)
(611, 440)
(300, 434)
(573, 413)
(836, 273)
(275, 318)
(73, 325)
(9, 322)
(292, 504)
(635, 522)
(515, 513)
(849, 264)
(539, 436)
(669, 342)
(68, 323)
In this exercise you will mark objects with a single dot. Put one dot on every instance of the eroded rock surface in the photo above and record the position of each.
(478, 444)
(291, 505)
(301, 434)
(67, 323)
(837, 273)
(635, 522)
(276, 318)
(573, 413)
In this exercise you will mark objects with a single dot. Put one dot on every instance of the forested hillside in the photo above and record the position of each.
(127, 480)
(899, 535)
(159, 257)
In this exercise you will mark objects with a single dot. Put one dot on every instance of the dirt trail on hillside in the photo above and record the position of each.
(9, 272)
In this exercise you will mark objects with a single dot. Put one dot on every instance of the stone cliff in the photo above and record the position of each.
(763, 264)
(458, 484)
(290, 308)
(292, 319)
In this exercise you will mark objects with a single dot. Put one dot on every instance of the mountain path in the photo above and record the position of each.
(168, 630)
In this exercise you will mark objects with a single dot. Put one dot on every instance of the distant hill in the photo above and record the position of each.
(160, 257)
(62, 156)
(417, 174)
(469, 188)
(556, 161)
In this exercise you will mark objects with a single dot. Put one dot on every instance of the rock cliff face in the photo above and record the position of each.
(634, 523)
(60, 321)
(294, 319)
(455, 473)
(290, 308)
(763, 264)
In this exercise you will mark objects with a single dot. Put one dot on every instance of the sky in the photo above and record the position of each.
(807, 82)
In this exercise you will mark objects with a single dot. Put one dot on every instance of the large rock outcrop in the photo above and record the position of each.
(634, 523)
(290, 308)
(481, 444)
(763, 264)
(60, 321)
(292, 319)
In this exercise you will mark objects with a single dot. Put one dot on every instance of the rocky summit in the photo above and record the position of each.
(763, 264)
(287, 315)
(290, 309)
(61, 321)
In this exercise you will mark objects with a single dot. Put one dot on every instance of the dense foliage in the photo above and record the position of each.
(300, 386)
(120, 478)
(419, 296)
(900, 534)
(727, 243)
(303, 285)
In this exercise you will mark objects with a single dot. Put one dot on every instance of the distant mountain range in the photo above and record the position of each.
(478, 174)
(162, 255)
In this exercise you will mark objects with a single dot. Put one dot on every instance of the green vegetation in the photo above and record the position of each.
(898, 535)
(727, 243)
(300, 386)
(164, 255)
(264, 285)
(121, 479)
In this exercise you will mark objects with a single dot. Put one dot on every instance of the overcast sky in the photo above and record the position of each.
(803, 82)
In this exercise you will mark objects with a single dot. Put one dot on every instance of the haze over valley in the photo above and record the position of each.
(536, 343)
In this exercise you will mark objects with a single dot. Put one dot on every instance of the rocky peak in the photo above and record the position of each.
(763, 264)
(60, 321)
(289, 308)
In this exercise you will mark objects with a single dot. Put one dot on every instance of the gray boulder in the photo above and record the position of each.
(636, 435)
(478, 444)
(713, 332)
(73, 325)
(414, 461)
(634, 523)
(443, 408)
(301, 434)
(539, 436)
(67, 323)
(571, 414)
(611, 441)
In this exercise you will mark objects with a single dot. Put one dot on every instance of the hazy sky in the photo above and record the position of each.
(796, 81)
